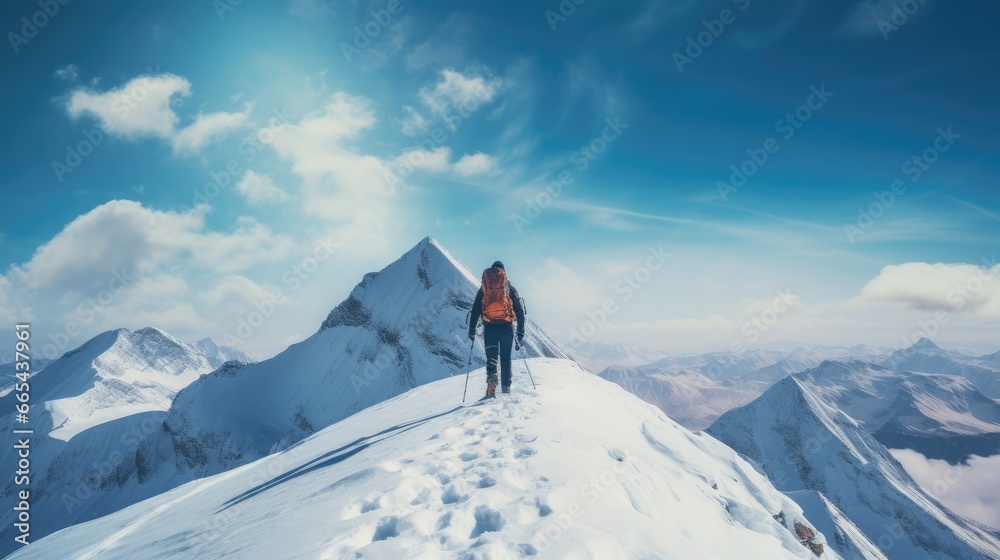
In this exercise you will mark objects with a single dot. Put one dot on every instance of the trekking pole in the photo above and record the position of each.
(525, 355)
(469, 368)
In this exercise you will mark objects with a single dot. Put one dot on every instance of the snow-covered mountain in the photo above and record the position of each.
(399, 328)
(925, 356)
(845, 480)
(696, 389)
(577, 469)
(89, 409)
(940, 416)
(219, 354)
(992, 359)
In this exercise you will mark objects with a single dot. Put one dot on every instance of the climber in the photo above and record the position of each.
(499, 305)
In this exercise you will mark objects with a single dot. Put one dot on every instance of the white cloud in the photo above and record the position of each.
(434, 161)
(972, 490)
(356, 192)
(123, 238)
(938, 287)
(457, 91)
(414, 124)
(126, 265)
(232, 295)
(438, 160)
(142, 108)
(260, 189)
(69, 72)
(475, 164)
(206, 128)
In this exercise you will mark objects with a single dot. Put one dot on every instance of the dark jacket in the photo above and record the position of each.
(477, 311)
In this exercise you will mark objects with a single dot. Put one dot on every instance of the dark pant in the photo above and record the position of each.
(498, 339)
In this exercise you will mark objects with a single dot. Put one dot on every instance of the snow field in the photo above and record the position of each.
(577, 469)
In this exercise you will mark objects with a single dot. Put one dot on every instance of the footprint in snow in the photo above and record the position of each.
(451, 495)
(487, 520)
(487, 481)
(386, 528)
(468, 456)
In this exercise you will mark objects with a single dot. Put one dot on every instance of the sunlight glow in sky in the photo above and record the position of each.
(174, 165)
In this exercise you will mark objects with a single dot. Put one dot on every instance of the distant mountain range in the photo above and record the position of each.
(842, 477)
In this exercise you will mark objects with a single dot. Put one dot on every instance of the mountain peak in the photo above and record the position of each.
(402, 287)
(924, 344)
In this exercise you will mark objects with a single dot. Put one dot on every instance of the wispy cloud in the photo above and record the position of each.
(414, 123)
(460, 91)
(69, 72)
(438, 160)
(260, 189)
(984, 211)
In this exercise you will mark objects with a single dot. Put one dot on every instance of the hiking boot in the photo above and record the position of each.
(505, 389)
(491, 386)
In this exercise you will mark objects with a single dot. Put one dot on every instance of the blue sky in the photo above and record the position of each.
(447, 119)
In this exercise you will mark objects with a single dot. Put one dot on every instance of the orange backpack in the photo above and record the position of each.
(497, 305)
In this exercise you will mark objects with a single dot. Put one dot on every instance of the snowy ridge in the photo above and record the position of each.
(90, 408)
(805, 445)
(535, 473)
(848, 539)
